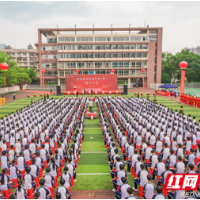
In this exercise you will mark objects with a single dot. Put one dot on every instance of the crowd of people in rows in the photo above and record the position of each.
(155, 142)
(37, 158)
(191, 100)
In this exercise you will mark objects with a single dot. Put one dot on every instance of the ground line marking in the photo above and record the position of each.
(83, 174)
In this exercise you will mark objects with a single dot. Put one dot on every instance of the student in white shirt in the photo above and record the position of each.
(44, 192)
(63, 190)
(20, 192)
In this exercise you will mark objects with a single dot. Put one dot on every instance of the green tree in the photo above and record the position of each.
(166, 78)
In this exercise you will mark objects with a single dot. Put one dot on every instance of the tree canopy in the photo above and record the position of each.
(170, 66)
(15, 74)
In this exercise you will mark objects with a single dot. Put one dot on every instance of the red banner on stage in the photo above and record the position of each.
(107, 82)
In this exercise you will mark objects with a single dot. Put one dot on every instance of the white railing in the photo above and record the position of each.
(9, 89)
(187, 85)
(47, 87)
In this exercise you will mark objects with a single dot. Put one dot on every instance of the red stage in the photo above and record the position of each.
(99, 84)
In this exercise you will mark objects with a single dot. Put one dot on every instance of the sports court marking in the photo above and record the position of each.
(94, 152)
(83, 174)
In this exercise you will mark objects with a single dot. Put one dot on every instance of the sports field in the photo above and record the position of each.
(93, 172)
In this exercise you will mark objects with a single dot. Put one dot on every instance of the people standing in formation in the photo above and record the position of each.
(45, 135)
(190, 100)
(154, 140)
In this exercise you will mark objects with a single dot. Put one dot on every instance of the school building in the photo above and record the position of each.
(60, 51)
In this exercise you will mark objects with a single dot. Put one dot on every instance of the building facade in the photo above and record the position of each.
(98, 50)
(2, 46)
(195, 50)
(25, 58)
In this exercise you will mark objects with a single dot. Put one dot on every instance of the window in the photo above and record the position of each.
(126, 55)
(67, 72)
(60, 47)
(96, 65)
(144, 46)
(79, 65)
(103, 39)
(102, 55)
(144, 64)
(72, 65)
(120, 55)
(138, 55)
(126, 64)
(108, 55)
(132, 72)
(90, 64)
(24, 54)
(96, 55)
(138, 64)
(120, 46)
(120, 64)
(108, 46)
(144, 55)
(60, 55)
(66, 55)
(53, 65)
(108, 64)
(78, 47)
(102, 46)
(132, 46)
(90, 55)
(61, 73)
(66, 39)
(132, 55)
(138, 72)
(138, 38)
(102, 72)
(96, 47)
(72, 55)
(84, 47)
(114, 64)
(84, 55)
(126, 46)
(119, 38)
(126, 72)
(69, 47)
(78, 55)
(84, 39)
(85, 72)
(114, 46)
(139, 46)
(114, 55)
(90, 47)
(120, 72)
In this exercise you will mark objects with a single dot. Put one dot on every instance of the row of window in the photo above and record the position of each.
(104, 39)
(102, 47)
(134, 72)
(132, 64)
(103, 55)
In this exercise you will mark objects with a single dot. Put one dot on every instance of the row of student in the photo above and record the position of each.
(136, 160)
(32, 159)
(55, 123)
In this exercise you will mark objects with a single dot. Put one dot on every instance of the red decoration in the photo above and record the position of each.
(112, 71)
(43, 71)
(142, 94)
(28, 95)
(154, 94)
(183, 65)
(41, 95)
(148, 93)
(34, 95)
(4, 66)
(135, 93)
(143, 70)
(76, 71)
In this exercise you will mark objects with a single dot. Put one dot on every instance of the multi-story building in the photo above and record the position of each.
(98, 50)
(24, 57)
(195, 50)
(2, 46)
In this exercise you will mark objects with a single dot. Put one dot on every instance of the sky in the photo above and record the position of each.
(19, 20)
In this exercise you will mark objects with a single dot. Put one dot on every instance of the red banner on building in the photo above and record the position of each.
(107, 82)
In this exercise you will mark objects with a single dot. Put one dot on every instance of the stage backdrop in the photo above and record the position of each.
(107, 82)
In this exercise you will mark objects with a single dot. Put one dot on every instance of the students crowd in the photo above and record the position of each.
(154, 142)
(40, 147)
